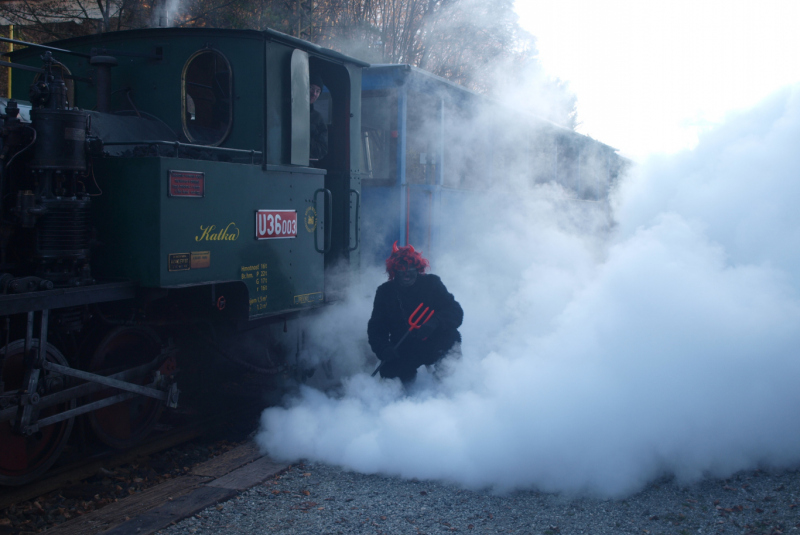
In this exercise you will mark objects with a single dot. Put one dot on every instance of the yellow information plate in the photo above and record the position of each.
(201, 259)
(307, 299)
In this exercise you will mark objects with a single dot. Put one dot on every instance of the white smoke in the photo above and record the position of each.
(595, 362)
(165, 13)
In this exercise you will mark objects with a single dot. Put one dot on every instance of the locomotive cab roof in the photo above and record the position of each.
(243, 90)
(97, 41)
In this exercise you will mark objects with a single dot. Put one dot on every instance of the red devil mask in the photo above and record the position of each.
(403, 258)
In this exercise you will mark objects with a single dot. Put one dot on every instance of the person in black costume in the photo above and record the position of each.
(319, 130)
(396, 300)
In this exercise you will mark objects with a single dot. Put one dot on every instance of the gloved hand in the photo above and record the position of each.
(387, 353)
(426, 329)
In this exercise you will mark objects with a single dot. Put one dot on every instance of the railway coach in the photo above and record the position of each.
(429, 145)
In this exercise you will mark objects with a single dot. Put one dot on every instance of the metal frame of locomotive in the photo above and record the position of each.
(433, 124)
(157, 179)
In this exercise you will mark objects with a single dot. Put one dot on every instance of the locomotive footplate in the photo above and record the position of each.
(66, 297)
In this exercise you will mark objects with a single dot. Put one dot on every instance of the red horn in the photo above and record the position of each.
(394, 247)
(411, 247)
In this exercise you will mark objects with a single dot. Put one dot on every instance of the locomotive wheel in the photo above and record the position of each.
(126, 423)
(23, 459)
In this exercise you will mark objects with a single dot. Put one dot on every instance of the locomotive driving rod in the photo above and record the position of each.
(97, 383)
(115, 383)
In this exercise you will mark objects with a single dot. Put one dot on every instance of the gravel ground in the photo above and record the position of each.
(320, 499)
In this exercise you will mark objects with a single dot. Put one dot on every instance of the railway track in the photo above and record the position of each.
(94, 483)
(213, 481)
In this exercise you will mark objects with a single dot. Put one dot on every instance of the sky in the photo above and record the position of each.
(652, 75)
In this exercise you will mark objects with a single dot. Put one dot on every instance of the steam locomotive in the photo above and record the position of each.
(154, 180)
(157, 197)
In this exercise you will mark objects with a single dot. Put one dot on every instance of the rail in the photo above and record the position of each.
(178, 146)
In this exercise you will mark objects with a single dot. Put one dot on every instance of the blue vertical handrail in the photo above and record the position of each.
(402, 106)
(358, 206)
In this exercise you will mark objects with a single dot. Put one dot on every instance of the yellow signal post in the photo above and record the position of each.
(11, 49)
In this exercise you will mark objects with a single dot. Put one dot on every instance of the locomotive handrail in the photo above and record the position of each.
(115, 52)
(326, 245)
(358, 206)
(178, 146)
(42, 71)
(42, 47)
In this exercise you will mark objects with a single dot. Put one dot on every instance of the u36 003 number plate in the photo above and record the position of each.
(272, 224)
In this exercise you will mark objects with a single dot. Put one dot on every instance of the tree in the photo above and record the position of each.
(49, 20)
(476, 43)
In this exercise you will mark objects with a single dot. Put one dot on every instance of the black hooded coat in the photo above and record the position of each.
(389, 322)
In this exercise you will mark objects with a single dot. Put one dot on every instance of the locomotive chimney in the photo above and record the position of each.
(103, 66)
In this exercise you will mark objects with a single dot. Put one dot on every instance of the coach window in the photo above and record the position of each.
(593, 171)
(207, 110)
(567, 161)
(379, 134)
(425, 138)
(465, 148)
(543, 155)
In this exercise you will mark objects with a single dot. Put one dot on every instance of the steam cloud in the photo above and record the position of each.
(594, 362)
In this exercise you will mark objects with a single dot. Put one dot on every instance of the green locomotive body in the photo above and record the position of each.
(166, 241)
(172, 216)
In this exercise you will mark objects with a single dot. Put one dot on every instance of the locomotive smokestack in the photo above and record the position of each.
(164, 12)
(103, 66)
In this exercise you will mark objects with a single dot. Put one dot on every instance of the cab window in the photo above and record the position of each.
(206, 108)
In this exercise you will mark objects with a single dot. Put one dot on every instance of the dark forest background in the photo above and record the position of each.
(475, 43)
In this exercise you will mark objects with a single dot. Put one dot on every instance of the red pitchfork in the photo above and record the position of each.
(413, 323)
